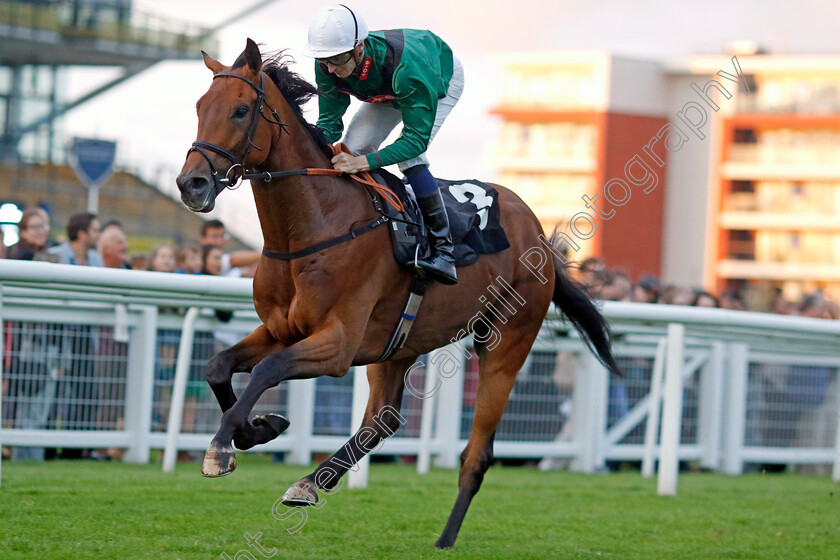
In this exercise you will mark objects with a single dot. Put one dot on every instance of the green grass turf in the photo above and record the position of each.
(79, 510)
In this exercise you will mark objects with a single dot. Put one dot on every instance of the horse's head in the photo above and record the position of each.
(230, 138)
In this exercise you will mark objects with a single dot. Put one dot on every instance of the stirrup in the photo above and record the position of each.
(431, 273)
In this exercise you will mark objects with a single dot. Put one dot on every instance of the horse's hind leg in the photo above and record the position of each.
(381, 419)
(497, 372)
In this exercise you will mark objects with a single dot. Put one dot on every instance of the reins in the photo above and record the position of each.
(231, 178)
(364, 177)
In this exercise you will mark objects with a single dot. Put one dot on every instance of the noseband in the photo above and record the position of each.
(237, 169)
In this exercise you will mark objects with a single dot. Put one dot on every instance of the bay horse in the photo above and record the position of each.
(335, 308)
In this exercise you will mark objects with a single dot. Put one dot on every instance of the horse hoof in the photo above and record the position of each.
(274, 421)
(444, 544)
(302, 493)
(218, 462)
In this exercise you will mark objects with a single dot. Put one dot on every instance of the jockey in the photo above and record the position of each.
(403, 75)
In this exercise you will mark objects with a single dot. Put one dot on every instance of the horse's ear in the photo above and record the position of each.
(212, 63)
(252, 56)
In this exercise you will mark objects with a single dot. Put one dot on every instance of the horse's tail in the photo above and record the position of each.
(586, 318)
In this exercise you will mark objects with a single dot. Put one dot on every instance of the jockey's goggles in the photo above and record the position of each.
(337, 60)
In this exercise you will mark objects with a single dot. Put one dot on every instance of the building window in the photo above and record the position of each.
(745, 136)
(741, 245)
(743, 187)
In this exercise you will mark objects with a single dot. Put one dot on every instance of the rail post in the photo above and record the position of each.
(301, 409)
(179, 389)
(736, 407)
(140, 385)
(450, 404)
(710, 407)
(361, 390)
(589, 413)
(669, 459)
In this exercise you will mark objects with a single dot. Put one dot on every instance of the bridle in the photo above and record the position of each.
(236, 171)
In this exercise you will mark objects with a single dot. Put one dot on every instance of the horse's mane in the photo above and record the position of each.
(296, 90)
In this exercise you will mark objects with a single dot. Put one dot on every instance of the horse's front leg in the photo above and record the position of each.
(241, 357)
(381, 419)
(324, 353)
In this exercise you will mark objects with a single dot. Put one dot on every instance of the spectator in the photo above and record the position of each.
(162, 258)
(189, 258)
(590, 273)
(733, 299)
(40, 350)
(213, 232)
(138, 261)
(42, 356)
(113, 247)
(815, 388)
(833, 310)
(704, 299)
(76, 393)
(83, 236)
(111, 355)
(211, 264)
(795, 403)
(676, 295)
(778, 304)
(203, 349)
(815, 305)
(113, 224)
(647, 290)
(617, 287)
(34, 229)
(211, 260)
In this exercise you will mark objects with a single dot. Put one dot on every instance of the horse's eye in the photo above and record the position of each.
(240, 111)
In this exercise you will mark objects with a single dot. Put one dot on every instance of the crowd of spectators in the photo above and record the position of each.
(87, 242)
(56, 373)
(615, 285)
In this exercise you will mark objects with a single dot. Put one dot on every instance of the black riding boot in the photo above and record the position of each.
(440, 265)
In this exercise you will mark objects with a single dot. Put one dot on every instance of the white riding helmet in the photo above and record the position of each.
(335, 30)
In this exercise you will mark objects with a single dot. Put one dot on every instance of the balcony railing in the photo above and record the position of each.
(827, 153)
(94, 21)
(783, 203)
(793, 96)
(779, 220)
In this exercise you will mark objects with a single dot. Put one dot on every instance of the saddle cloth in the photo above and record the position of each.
(473, 210)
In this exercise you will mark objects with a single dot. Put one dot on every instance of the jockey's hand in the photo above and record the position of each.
(350, 164)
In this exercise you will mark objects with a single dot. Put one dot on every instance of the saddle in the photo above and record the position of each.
(473, 211)
(474, 220)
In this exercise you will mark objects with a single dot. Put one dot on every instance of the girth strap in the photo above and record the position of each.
(325, 244)
(416, 292)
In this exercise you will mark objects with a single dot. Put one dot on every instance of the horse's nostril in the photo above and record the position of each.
(191, 183)
(198, 183)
